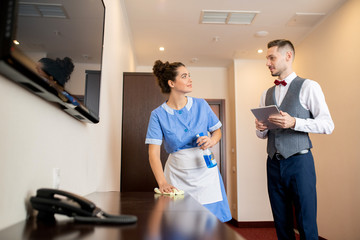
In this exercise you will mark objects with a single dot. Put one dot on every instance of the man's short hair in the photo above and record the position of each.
(281, 43)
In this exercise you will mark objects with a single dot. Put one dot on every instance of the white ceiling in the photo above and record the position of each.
(175, 25)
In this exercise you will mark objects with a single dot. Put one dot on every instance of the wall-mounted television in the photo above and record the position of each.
(49, 46)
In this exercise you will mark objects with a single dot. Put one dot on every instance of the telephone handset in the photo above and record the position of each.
(50, 201)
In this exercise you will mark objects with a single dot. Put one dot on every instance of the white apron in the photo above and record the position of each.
(186, 170)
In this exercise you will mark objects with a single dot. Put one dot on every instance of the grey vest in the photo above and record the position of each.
(287, 141)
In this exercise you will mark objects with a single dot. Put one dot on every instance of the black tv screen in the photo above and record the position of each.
(48, 46)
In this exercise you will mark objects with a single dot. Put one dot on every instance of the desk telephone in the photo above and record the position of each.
(53, 201)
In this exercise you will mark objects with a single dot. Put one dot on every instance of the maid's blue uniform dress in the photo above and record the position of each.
(185, 168)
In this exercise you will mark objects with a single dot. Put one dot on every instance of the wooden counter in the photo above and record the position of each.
(159, 218)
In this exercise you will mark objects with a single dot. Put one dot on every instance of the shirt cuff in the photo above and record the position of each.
(261, 134)
(299, 122)
(216, 127)
(153, 141)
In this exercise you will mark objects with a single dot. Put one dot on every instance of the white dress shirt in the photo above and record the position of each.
(311, 98)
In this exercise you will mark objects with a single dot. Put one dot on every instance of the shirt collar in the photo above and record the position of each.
(290, 77)
(171, 111)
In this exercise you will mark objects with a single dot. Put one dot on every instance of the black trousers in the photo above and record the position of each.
(292, 182)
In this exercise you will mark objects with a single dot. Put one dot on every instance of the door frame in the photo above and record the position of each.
(221, 104)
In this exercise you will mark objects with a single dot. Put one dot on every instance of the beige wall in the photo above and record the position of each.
(208, 82)
(251, 79)
(36, 137)
(330, 55)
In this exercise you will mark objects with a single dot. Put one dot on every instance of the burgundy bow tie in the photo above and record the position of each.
(277, 82)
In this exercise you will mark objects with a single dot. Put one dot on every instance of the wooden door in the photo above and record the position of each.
(141, 95)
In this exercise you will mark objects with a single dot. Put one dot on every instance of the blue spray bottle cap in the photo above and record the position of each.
(200, 134)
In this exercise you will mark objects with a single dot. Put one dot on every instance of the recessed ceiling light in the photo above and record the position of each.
(261, 33)
(260, 51)
(161, 49)
(16, 42)
(194, 60)
(216, 38)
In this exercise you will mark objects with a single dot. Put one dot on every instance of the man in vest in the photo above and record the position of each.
(290, 165)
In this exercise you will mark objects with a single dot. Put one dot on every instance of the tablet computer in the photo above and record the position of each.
(262, 114)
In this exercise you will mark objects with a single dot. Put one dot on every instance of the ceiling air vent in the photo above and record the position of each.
(27, 9)
(305, 19)
(227, 17)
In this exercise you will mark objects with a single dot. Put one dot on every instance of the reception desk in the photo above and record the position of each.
(159, 217)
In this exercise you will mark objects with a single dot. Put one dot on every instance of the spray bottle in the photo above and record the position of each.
(208, 155)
